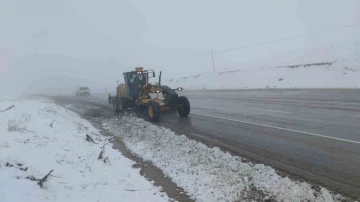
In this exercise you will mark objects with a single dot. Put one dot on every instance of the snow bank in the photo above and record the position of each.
(331, 66)
(209, 174)
(38, 136)
(326, 76)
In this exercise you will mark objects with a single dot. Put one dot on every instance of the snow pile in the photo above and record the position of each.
(37, 136)
(209, 174)
(331, 66)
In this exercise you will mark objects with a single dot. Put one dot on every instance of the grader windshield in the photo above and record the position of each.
(134, 81)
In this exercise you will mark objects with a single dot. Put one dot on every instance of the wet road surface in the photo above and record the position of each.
(312, 135)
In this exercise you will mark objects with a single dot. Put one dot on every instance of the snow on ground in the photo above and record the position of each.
(209, 174)
(326, 76)
(331, 66)
(37, 136)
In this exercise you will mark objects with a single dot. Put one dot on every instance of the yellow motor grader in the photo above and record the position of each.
(137, 91)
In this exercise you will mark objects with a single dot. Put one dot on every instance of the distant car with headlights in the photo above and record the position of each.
(83, 91)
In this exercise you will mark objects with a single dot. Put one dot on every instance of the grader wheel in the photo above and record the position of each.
(120, 104)
(116, 105)
(153, 111)
(184, 106)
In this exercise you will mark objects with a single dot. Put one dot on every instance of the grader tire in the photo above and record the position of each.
(116, 103)
(119, 104)
(153, 111)
(184, 106)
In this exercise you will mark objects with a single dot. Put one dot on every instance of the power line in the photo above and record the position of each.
(290, 38)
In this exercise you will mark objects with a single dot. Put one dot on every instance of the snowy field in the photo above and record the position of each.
(209, 174)
(37, 136)
(332, 66)
(324, 76)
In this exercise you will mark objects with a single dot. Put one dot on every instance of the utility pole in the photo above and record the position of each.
(212, 57)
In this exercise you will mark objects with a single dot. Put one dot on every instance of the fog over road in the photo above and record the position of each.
(310, 134)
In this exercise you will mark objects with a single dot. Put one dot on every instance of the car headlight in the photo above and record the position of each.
(179, 89)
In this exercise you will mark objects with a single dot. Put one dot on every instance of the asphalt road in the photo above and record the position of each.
(312, 135)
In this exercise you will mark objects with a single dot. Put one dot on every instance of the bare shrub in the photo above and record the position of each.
(16, 126)
(80, 126)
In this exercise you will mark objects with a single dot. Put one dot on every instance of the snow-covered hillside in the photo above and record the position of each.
(331, 66)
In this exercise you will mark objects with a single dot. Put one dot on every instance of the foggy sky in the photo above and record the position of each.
(55, 46)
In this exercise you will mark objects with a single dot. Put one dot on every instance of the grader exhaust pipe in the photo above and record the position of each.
(160, 79)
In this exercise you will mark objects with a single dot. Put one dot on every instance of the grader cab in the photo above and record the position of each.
(137, 91)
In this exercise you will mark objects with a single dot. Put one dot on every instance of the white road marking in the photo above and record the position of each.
(348, 103)
(301, 105)
(298, 104)
(279, 128)
(337, 107)
(267, 110)
(272, 99)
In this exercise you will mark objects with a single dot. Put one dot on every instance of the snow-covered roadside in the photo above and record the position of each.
(37, 136)
(209, 174)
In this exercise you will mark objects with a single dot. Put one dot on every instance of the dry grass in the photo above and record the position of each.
(16, 126)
